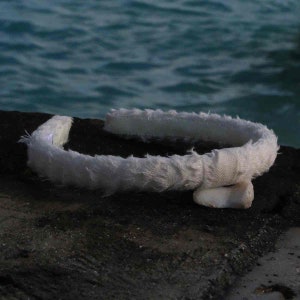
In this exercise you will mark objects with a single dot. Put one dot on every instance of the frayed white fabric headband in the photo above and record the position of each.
(221, 178)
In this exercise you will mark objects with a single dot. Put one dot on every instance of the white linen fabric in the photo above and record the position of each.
(221, 178)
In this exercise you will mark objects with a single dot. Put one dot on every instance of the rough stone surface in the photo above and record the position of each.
(68, 243)
(276, 274)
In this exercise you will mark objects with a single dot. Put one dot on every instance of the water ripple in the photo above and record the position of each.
(84, 57)
(16, 27)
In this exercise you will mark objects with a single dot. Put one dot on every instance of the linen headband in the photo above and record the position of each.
(220, 178)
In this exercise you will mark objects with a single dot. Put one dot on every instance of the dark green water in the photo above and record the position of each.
(82, 58)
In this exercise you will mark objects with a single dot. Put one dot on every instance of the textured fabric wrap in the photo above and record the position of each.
(253, 153)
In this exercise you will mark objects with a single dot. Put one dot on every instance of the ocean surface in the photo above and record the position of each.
(82, 58)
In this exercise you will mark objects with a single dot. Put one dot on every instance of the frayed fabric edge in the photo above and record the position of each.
(254, 153)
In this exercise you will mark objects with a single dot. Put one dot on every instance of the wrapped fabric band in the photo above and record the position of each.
(254, 152)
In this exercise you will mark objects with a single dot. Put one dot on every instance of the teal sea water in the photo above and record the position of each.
(82, 58)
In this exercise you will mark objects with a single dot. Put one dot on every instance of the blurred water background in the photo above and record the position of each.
(81, 58)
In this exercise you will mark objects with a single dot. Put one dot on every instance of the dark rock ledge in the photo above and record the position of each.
(67, 243)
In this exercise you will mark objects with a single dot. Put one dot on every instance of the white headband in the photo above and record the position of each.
(221, 178)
